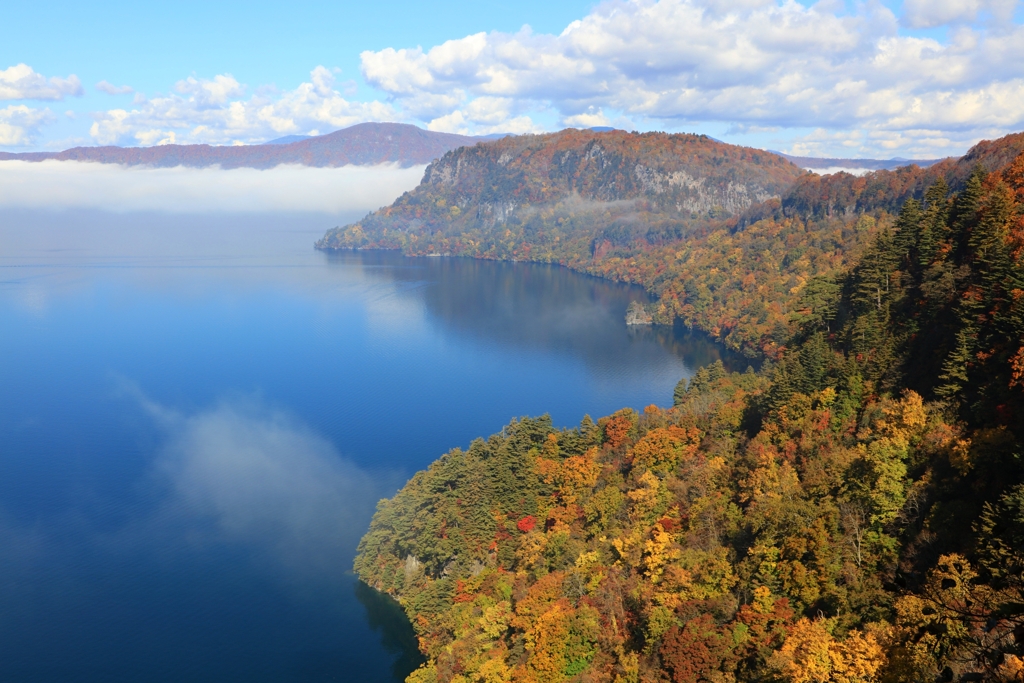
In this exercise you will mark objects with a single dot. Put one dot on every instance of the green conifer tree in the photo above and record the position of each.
(965, 212)
(933, 226)
(908, 232)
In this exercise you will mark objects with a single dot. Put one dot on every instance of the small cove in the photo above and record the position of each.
(198, 414)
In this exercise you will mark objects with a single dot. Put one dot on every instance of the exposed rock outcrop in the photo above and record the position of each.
(575, 182)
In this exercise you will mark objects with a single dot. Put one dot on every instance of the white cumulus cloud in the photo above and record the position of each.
(111, 89)
(217, 111)
(19, 124)
(21, 82)
(756, 64)
(925, 80)
(70, 184)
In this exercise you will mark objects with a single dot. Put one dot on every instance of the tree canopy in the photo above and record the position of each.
(852, 512)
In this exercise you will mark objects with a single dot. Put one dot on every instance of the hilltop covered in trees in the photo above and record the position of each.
(853, 512)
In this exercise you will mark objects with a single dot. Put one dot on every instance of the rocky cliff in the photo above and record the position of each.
(555, 186)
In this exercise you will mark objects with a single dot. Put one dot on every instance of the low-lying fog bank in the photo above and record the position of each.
(111, 187)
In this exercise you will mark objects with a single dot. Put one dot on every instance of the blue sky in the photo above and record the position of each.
(152, 45)
(923, 78)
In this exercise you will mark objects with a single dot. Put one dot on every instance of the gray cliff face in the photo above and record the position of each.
(614, 187)
(697, 195)
(501, 181)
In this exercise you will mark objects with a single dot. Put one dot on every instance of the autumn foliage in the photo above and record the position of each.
(852, 513)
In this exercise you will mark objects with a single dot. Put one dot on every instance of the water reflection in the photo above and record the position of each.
(386, 617)
(252, 475)
(539, 306)
(46, 254)
(695, 348)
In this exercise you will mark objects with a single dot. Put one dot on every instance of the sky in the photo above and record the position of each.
(912, 79)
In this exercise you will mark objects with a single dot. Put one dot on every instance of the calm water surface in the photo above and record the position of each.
(198, 414)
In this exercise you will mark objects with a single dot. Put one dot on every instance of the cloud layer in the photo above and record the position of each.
(756, 64)
(833, 78)
(218, 111)
(70, 184)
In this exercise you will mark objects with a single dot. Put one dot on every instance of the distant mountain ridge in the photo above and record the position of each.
(818, 164)
(288, 139)
(364, 144)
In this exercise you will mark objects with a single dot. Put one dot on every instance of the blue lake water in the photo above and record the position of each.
(199, 413)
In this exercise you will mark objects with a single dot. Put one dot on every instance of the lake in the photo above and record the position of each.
(198, 414)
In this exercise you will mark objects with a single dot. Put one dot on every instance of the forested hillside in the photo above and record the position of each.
(853, 512)
(726, 237)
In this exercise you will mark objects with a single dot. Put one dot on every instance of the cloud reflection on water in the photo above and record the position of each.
(253, 475)
(232, 545)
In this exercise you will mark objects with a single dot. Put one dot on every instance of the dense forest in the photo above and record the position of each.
(852, 512)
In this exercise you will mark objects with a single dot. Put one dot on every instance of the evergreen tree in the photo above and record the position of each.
(815, 355)
(933, 226)
(965, 213)
(908, 233)
(819, 303)
(679, 393)
(705, 378)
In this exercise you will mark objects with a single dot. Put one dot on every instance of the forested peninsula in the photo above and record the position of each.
(725, 237)
(854, 511)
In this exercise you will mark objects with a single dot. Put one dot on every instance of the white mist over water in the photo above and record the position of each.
(269, 482)
(238, 473)
(55, 184)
